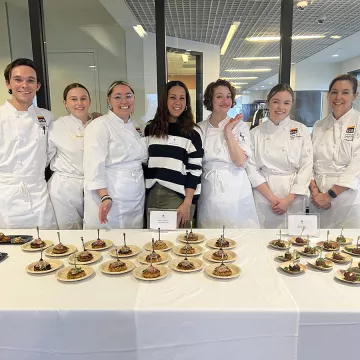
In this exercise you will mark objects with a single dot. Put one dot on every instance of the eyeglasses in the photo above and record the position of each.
(119, 98)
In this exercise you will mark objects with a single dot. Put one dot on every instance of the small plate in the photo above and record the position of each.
(108, 244)
(346, 260)
(164, 258)
(340, 276)
(26, 238)
(200, 239)
(27, 247)
(212, 244)
(231, 256)
(104, 267)
(349, 252)
(313, 264)
(197, 263)
(135, 250)
(3, 256)
(284, 265)
(281, 257)
(71, 250)
(169, 246)
(234, 268)
(301, 252)
(287, 245)
(348, 241)
(61, 275)
(96, 257)
(321, 244)
(55, 265)
(137, 272)
(198, 250)
(293, 241)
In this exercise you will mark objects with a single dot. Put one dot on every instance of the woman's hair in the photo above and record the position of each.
(279, 88)
(74, 86)
(158, 127)
(116, 83)
(347, 77)
(209, 93)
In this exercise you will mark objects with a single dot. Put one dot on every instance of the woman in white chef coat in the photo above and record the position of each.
(280, 169)
(24, 197)
(113, 156)
(66, 147)
(226, 197)
(335, 189)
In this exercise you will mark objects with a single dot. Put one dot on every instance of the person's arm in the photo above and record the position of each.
(237, 154)
(96, 141)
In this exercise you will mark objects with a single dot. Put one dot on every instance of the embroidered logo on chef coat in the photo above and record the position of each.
(293, 133)
(349, 133)
(42, 123)
(137, 128)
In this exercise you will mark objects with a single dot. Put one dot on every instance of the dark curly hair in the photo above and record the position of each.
(159, 126)
(209, 93)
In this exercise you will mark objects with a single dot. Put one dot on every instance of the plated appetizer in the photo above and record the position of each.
(310, 251)
(287, 256)
(293, 268)
(151, 272)
(280, 244)
(348, 276)
(352, 250)
(222, 270)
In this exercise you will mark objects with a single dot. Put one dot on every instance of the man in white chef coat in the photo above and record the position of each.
(24, 198)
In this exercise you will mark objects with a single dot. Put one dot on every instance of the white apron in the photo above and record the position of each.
(226, 194)
(282, 157)
(66, 186)
(120, 171)
(24, 199)
(337, 161)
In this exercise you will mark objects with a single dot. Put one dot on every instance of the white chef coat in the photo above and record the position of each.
(337, 162)
(24, 200)
(66, 186)
(113, 156)
(226, 194)
(283, 158)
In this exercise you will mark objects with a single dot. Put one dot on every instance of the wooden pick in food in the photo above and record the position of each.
(58, 234)
(41, 251)
(75, 260)
(308, 240)
(82, 240)
(153, 245)
(191, 227)
(351, 264)
(280, 235)
(327, 236)
(38, 233)
(222, 258)
(124, 239)
(341, 231)
(224, 231)
(98, 230)
(357, 242)
(186, 252)
(159, 233)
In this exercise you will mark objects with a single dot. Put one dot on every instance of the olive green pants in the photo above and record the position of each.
(161, 197)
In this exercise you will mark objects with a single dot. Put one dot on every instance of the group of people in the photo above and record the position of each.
(105, 174)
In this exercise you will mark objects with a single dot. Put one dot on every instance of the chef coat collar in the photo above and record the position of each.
(79, 122)
(12, 108)
(117, 118)
(221, 124)
(343, 118)
(282, 123)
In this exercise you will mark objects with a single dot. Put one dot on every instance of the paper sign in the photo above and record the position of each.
(163, 219)
(303, 224)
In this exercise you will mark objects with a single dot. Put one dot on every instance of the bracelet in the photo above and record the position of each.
(106, 197)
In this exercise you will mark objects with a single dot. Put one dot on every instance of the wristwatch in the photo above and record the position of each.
(332, 194)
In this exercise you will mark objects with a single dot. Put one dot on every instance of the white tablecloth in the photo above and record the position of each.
(262, 314)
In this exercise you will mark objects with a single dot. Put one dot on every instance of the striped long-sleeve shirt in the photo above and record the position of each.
(175, 161)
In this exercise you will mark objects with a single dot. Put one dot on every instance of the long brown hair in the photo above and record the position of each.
(159, 126)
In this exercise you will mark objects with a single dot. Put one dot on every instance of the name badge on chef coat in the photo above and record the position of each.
(303, 224)
(349, 134)
(42, 123)
(173, 140)
(294, 132)
(163, 219)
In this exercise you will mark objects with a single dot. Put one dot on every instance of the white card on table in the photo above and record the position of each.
(303, 224)
(163, 219)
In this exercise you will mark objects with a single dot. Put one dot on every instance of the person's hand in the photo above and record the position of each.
(232, 122)
(104, 209)
(183, 214)
(282, 206)
(322, 201)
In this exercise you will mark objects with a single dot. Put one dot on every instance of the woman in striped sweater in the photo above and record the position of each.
(174, 141)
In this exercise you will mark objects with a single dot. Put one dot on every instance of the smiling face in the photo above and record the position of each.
(78, 102)
(279, 106)
(176, 101)
(341, 97)
(122, 101)
(221, 100)
(24, 85)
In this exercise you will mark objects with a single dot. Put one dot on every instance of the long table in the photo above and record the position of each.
(263, 314)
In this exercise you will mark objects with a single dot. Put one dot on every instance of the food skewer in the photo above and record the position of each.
(58, 234)
(98, 230)
(124, 239)
(82, 240)
(159, 233)
(38, 233)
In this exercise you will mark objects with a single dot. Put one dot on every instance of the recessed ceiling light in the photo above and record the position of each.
(257, 58)
(335, 37)
(305, 37)
(92, 66)
(229, 36)
(140, 30)
(240, 78)
(262, 85)
(247, 70)
(335, 55)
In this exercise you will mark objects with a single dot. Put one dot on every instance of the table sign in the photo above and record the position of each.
(163, 219)
(303, 224)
